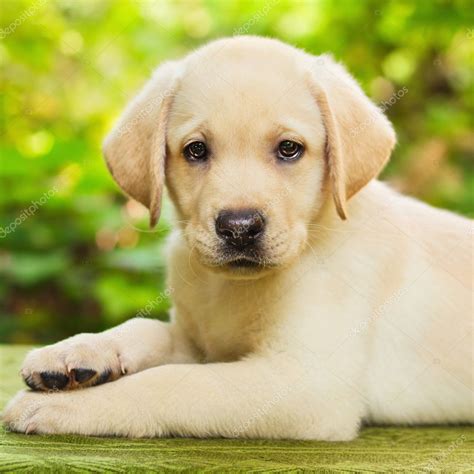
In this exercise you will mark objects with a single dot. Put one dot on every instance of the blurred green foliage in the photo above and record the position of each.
(83, 260)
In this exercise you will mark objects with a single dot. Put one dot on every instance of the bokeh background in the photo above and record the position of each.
(75, 255)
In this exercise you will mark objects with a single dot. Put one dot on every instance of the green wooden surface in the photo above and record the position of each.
(381, 449)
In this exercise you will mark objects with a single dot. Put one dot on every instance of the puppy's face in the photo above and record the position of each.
(252, 136)
(245, 161)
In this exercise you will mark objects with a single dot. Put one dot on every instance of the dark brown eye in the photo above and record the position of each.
(289, 150)
(195, 151)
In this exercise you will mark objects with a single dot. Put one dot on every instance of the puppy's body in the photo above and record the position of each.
(362, 300)
(297, 324)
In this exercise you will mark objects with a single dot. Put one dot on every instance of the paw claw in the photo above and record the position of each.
(30, 429)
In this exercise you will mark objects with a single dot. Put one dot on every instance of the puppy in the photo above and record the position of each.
(308, 297)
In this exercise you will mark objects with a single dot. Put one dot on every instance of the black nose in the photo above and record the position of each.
(240, 228)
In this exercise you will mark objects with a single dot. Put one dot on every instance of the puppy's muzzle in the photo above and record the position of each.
(241, 228)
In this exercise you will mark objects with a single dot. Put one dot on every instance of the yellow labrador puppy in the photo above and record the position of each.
(308, 297)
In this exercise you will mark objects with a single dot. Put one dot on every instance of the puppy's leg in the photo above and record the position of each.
(86, 360)
(248, 399)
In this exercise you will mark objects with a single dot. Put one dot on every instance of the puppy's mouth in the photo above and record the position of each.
(241, 264)
(244, 262)
(251, 262)
(247, 264)
(245, 268)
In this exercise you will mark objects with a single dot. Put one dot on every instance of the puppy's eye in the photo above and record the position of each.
(196, 151)
(289, 150)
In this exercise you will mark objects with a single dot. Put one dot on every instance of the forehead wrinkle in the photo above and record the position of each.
(189, 125)
(242, 88)
(286, 126)
(294, 126)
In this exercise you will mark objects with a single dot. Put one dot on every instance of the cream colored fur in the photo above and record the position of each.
(367, 319)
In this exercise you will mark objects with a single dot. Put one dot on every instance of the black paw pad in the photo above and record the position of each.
(83, 375)
(103, 377)
(54, 380)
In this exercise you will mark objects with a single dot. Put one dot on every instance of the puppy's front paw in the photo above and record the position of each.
(81, 361)
(30, 412)
(108, 410)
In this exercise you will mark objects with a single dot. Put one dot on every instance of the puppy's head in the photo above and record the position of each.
(252, 138)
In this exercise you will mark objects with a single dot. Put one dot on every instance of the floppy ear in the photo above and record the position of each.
(135, 148)
(359, 138)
